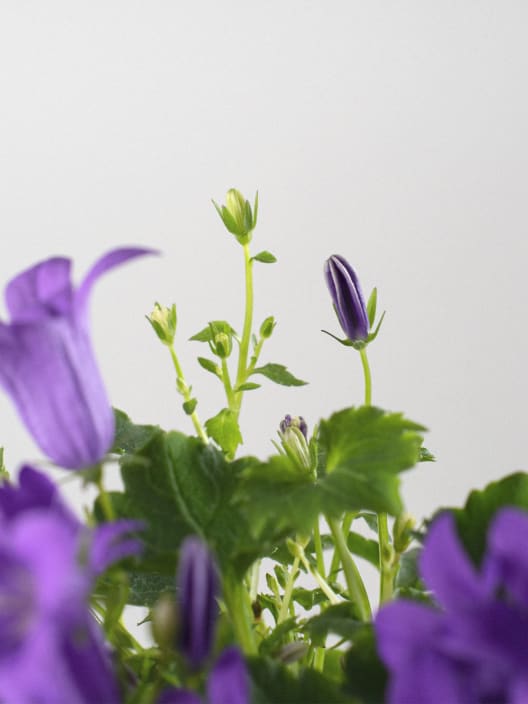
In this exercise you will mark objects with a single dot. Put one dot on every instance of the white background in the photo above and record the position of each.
(393, 133)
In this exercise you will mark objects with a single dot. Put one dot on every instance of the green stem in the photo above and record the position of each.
(246, 332)
(227, 385)
(238, 606)
(186, 393)
(347, 522)
(319, 659)
(288, 591)
(367, 375)
(356, 588)
(321, 581)
(106, 504)
(319, 549)
(385, 560)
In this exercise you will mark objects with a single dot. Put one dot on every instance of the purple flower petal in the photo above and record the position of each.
(109, 544)
(347, 297)
(198, 588)
(178, 696)
(446, 569)
(108, 261)
(41, 292)
(228, 682)
(34, 490)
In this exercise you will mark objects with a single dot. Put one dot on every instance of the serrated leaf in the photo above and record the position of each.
(130, 437)
(224, 430)
(248, 386)
(265, 257)
(209, 365)
(481, 506)
(189, 406)
(271, 644)
(279, 374)
(365, 449)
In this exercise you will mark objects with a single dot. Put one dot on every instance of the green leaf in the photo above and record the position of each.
(365, 449)
(209, 365)
(145, 588)
(177, 486)
(128, 436)
(474, 519)
(366, 676)
(364, 547)
(274, 683)
(224, 430)
(339, 619)
(206, 334)
(264, 257)
(248, 386)
(189, 406)
(279, 374)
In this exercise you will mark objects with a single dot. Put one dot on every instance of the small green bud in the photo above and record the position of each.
(165, 622)
(238, 216)
(163, 321)
(222, 345)
(266, 329)
(402, 532)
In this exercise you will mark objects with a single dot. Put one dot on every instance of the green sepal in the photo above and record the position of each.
(210, 366)
(215, 326)
(426, 455)
(371, 306)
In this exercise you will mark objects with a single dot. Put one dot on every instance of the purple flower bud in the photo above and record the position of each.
(47, 364)
(347, 297)
(296, 422)
(198, 587)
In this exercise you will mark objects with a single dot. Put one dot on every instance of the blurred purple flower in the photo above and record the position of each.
(347, 297)
(198, 587)
(476, 648)
(47, 364)
(228, 683)
(51, 649)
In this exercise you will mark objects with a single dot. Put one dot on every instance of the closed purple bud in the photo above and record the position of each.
(198, 610)
(347, 297)
(47, 364)
(296, 422)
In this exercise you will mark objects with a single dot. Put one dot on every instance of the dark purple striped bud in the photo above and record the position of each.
(347, 297)
(198, 587)
(296, 422)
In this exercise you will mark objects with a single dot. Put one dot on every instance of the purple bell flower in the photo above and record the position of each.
(51, 648)
(475, 648)
(347, 297)
(228, 683)
(47, 364)
(198, 587)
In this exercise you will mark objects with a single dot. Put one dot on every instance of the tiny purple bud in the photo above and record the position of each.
(296, 422)
(347, 297)
(198, 610)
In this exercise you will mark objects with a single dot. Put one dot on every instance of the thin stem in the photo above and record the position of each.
(288, 591)
(367, 375)
(238, 606)
(321, 581)
(319, 658)
(227, 385)
(246, 332)
(347, 522)
(356, 588)
(319, 549)
(186, 393)
(385, 560)
(106, 504)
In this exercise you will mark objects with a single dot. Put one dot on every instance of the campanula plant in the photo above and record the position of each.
(249, 570)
